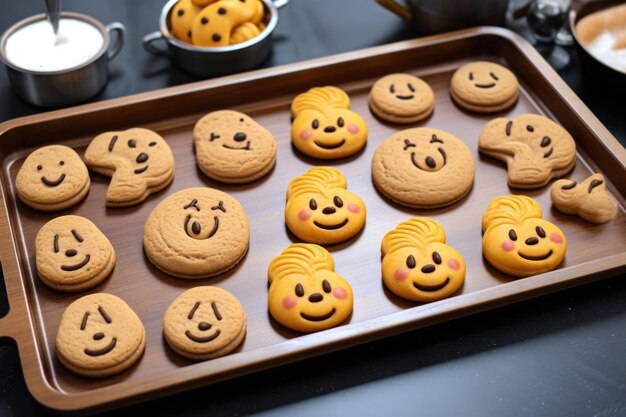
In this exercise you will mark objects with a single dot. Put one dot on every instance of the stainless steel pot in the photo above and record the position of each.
(69, 86)
(207, 62)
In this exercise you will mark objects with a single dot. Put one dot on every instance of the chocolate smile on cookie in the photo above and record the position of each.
(401, 98)
(232, 148)
(196, 225)
(431, 164)
(484, 87)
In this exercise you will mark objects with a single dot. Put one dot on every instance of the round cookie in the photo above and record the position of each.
(182, 17)
(306, 294)
(590, 200)
(99, 335)
(52, 178)
(196, 233)
(320, 209)
(232, 148)
(484, 87)
(423, 168)
(517, 241)
(204, 323)
(417, 264)
(401, 98)
(72, 254)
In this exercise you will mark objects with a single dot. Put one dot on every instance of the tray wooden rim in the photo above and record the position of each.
(18, 323)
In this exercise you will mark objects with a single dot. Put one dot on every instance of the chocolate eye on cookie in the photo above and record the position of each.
(590, 200)
(407, 100)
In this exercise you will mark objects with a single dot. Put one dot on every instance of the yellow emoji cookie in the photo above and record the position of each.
(517, 241)
(182, 17)
(213, 25)
(324, 127)
(417, 263)
(244, 32)
(321, 210)
(305, 293)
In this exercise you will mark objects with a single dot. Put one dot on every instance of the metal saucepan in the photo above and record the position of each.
(208, 62)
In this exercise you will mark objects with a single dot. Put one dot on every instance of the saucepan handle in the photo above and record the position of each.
(119, 41)
(280, 3)
(397, 8)
(148, 41)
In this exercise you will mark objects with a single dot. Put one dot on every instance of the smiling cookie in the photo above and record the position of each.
(321, 210)
(52, 178)
(401, 98)
(517, 241)
(306, 294)
(196, 233)
(99, 335)
(423, 168)
(139, 162)
(484, 87)
(232, 148)
(589, 200)
(204, 323)
(324, 127)
(534, 148)
(417, 263)
(72, 254)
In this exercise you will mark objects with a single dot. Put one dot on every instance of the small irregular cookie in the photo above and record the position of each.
(202, 3)
(321, 210)
(213, 25)
(139, 161)
(417, 264)
(306, 294)
(99, 335)
(484, 87)
(517, 241)
(402, 98)
(52, 178)
(423, 168)
(182, 17)
(232, 148)
(244, 32)
(324, 127)
(196, 233)
(589, 200)
(534, 148)
(204, 323)
(72, 254)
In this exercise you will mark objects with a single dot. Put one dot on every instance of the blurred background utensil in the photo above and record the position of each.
(53, 13)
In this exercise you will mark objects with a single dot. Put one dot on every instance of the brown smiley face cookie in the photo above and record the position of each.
(534, 148)
(589, 200)
(204, 323)
(139, 162)
(484, 87)
(232, 148)
(196, 233)
(72, 254)
(99, 335)
(52, 178)
(423, 168)
(401, 98)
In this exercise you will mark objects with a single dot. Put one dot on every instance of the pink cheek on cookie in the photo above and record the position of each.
(454, 264)
(306, 134)
(556, 238)
(340, 293)
(401, 274)
(290, 302)
(354, 208)
(508, 246)
(304, 215)
(354, 129)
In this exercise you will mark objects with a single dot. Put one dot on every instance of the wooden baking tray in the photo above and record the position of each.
(594, 252)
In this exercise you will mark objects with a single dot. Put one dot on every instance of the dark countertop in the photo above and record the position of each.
(561, 354)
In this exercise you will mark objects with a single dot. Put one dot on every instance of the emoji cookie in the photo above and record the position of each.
(52, 178)
(589, 200)
(517, 241)
(417, 263)
(306, 294)
(484, 87)
(423, 168)
(72, 254)
(99, 335)
(324, 127)
(231, 147)
(401, 98)
(196, 233)
(534, 148)
(182, 17)
(139, 162)
(204, 323)
(214, 24)
(321, 210)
